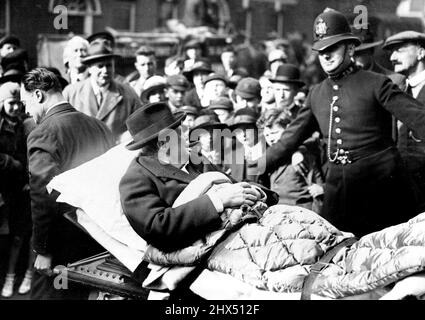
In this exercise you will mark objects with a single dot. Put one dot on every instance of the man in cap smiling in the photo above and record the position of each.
(408, 57)
(366, 187)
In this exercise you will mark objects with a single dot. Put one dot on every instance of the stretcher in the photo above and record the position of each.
(127, 249)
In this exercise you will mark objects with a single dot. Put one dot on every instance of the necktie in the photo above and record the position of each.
(99, 98)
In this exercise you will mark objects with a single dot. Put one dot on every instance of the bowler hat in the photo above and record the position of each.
(329, 28)
(367, 40)
(221, 103)
(98, 51)
(102, 35)
(208, 120)
(9, 39)
(288, 73)
(151, 84)
(178, 81)
(248, 88)
(404, 37)
(244, 116)
(146, 123)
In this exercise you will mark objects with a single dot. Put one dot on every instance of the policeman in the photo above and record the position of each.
(366, 188)
(408, 57)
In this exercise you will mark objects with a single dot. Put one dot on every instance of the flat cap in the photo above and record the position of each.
(404, 37)
(178, 82)
(248, 88)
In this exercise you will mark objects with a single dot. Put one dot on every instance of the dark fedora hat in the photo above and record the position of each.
(98, 51)
(288, 73)
(367, 39)
(331, 27)
(208, 121)
(146, 123)
(102, 35)
(244, 116)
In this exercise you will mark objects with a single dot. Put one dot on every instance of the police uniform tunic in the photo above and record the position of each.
(366, 188)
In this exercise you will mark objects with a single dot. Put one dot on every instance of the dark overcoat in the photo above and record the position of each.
(64, 139)
(148, 190)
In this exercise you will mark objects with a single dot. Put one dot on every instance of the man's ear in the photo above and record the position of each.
(421, 54)
(350, 48)
(39, 95)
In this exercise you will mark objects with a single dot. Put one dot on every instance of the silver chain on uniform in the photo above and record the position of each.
(334, 100)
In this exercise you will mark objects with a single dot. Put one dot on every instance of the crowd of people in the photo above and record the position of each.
(348, 145)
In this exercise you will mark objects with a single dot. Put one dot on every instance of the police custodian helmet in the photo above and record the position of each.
(331, 27)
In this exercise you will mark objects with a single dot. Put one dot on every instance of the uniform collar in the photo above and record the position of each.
(349, 70)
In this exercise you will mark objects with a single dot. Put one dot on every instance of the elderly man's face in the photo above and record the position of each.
(78, 51)
(406, 57)
(145, 65)
(284, 94)
(102, 72)
(6, 49)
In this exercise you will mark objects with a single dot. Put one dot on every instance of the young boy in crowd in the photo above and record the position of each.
(299, 182)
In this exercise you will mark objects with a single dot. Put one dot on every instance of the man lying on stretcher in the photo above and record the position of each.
(160, 173)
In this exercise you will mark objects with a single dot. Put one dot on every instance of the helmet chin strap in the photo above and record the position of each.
(343, 65)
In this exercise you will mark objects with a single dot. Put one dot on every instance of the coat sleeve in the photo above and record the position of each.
(298, 131)
(404, 107)
(159, 224)
(43, 167)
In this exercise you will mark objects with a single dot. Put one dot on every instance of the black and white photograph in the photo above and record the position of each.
(214, 155)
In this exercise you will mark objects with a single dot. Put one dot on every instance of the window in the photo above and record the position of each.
(4, 17)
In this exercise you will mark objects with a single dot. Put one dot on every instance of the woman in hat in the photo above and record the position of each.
(197, 75)
(14, 190)
(157, 176)
(207, 129)
(246, 143)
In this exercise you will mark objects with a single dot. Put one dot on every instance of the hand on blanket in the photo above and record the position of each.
(238, 194)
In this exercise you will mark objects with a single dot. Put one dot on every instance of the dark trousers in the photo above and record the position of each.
(43, 288)
(369, 194)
